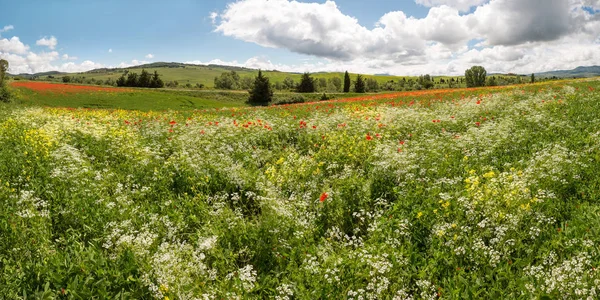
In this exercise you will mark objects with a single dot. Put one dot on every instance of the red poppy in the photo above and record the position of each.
(477, 123)
(172, 123)
(323, 197)
(369, 137)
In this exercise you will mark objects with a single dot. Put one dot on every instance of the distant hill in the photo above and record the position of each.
(205, 74)
(199, 74)
(578, 72)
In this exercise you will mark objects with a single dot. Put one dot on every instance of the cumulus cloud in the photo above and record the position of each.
(149, 55)
(462, 5)
(48, 42)
(511, 35)
(13, 45)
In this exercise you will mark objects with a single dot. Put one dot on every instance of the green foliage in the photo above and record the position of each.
(3, 71)
(289, 83)
(347, 82)
(261, 92)
(66, 79)
(475, 76)
(425, 81)
(228, 81)
(495, 199)
(156, 82)
(491, 81)
(372, 86)
(359, 84)
(290, 99)
(5, 94)
(132, 80)
(144, 79)
(532, 78)
(307, 84)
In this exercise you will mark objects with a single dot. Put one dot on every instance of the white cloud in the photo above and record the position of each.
(133, 63)
(213, 17)
(7, 28)
(67, 57)
(149, 55)
(110, 50)
(512, 35)
(14, 45)
(462, 5)
(49, 42)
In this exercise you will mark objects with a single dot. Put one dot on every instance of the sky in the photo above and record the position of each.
(398, 37)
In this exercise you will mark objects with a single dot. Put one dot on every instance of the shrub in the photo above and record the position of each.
(5, 94)
(291, 100)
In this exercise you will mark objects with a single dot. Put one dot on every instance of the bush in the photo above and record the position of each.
(5, 94)
(324, 97)
(291, 100)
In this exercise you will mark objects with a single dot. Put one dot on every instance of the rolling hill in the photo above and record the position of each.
(203, 74)
(578, 72)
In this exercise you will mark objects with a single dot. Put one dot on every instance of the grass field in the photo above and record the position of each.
(448, 194)
(89, 96)
(194, 74)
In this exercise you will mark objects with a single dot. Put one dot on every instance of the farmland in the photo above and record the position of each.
(468, 193)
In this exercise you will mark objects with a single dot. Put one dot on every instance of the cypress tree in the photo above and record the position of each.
(346, 82)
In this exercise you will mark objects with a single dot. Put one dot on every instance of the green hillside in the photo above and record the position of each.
(205, 74)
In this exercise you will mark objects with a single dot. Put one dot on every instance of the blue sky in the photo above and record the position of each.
(280, 37)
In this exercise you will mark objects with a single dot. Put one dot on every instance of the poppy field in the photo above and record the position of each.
(458, 194)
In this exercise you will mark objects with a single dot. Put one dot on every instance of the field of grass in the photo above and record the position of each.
(194, 74)
(89, 96)
(455, 194)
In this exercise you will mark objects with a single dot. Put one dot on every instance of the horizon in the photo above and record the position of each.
(437, 37)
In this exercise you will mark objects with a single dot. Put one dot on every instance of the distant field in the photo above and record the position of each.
(86, 96)
(205, 75)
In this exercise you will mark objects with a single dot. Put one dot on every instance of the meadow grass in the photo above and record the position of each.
(477, 194)
(205, 75)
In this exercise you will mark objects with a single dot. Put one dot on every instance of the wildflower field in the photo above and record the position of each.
(464, 194)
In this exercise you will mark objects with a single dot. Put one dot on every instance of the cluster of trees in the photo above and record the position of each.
(143, 80)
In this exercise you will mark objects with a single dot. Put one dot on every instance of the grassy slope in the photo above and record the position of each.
(205, 75)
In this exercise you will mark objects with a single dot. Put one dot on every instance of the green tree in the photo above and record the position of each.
(475, 76)
(372, 85)
(336, 82)
(246, 82)
(425, 81)
(261, 92)
(532, 78)
(491, 81)
(66, 79)
(307, 84)
(132, 79)
(5, 94)
(156, 82)
(359, 84)
(3, 70)
(289, 83)
(228, 81)
(122, 81)
(346, 82)
(322, 84)
(144, 79)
